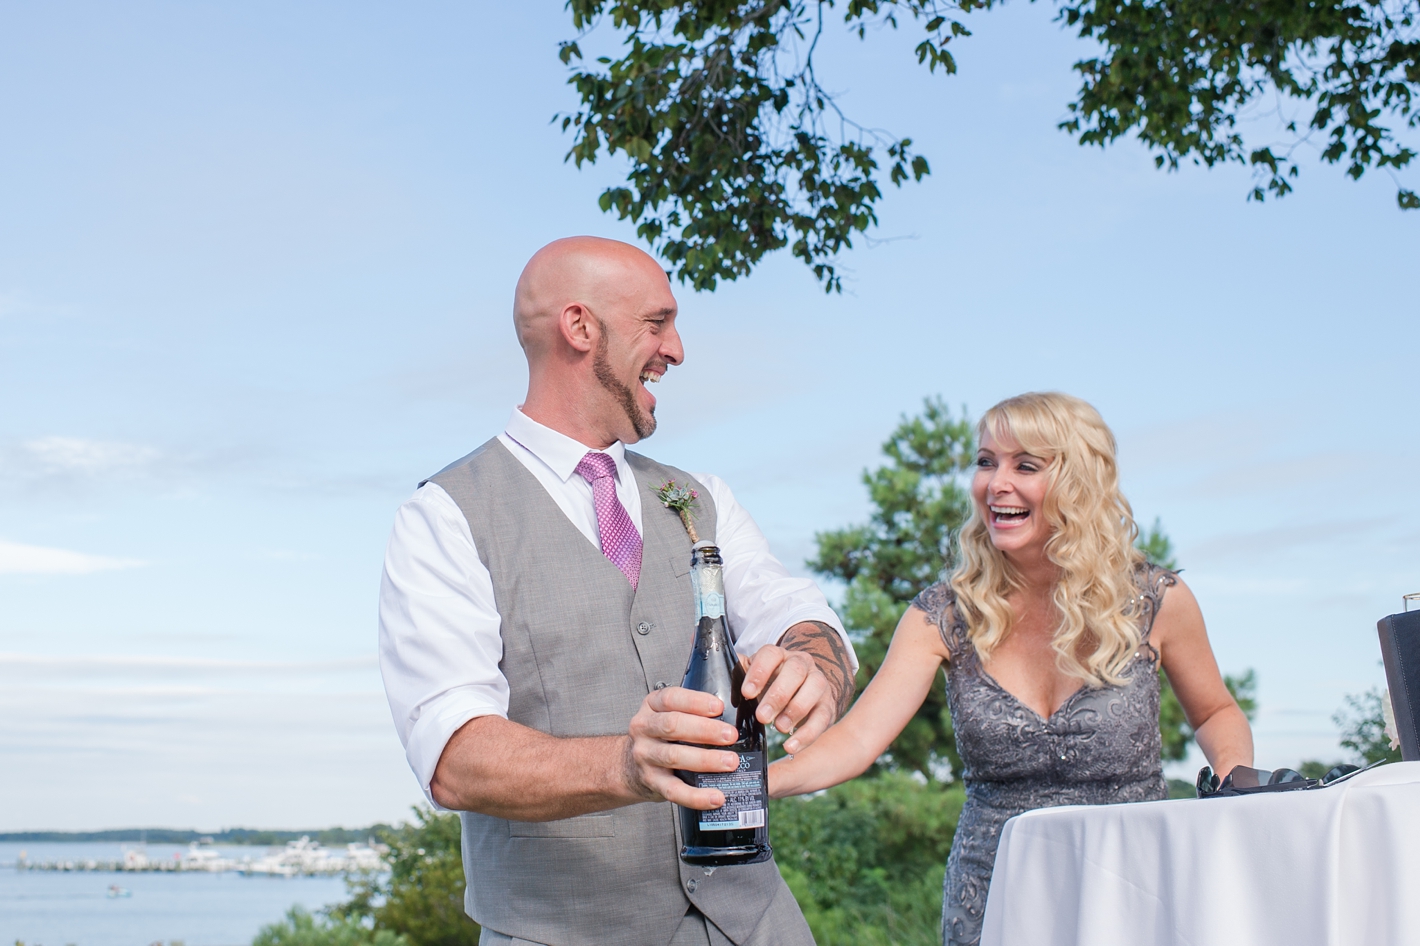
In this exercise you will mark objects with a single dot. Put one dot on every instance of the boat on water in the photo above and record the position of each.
(116, 892)
(304, 857)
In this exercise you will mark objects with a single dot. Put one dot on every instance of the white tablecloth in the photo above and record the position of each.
(1334, 866)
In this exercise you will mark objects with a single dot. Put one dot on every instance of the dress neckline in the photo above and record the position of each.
(992, 681)
(1022, 703)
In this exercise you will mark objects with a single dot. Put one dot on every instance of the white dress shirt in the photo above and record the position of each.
(440, 640)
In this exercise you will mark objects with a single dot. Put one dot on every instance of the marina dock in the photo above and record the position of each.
(300, 858)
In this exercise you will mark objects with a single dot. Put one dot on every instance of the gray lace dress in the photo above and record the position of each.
(1100, 747)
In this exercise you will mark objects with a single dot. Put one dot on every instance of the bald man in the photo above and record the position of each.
(536, 615)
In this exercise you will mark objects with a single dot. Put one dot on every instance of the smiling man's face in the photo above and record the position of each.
(638, 343)
(596, 318)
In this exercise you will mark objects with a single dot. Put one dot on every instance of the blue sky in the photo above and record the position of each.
(256, 265)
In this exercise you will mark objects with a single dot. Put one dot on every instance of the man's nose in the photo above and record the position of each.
(671, 348)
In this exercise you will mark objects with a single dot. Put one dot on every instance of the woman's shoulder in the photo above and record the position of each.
(1154, 580)
(935, 600)
(1151, 582)
(939, 603)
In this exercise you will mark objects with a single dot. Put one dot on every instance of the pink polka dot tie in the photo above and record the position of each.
(621, 543)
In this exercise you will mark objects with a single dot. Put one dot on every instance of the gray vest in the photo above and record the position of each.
(580, 652)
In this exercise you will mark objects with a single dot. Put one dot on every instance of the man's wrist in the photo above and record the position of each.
(631, 784)
(823, 643)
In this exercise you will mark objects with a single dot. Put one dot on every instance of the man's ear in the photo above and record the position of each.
(580, 328)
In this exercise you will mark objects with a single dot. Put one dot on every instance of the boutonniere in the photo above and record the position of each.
(680, 499)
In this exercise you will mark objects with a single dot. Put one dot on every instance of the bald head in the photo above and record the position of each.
(596, 319)
(602, 275)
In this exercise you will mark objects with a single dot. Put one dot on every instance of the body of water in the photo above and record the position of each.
(53, 908)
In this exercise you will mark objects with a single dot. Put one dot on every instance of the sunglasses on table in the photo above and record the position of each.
(1245, 780)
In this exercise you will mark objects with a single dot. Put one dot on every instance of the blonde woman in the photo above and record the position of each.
(1051, 628)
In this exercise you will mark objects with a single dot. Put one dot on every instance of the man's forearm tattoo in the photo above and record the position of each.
(826, 647)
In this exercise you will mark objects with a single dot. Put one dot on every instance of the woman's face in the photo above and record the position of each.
(1009, 491)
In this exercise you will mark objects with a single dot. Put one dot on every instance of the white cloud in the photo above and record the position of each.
(17, 559)
(91, 457)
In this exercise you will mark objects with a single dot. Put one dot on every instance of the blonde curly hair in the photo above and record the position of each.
(1092, 541)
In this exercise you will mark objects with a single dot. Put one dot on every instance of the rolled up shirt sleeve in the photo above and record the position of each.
(762, 600)
(440, 644)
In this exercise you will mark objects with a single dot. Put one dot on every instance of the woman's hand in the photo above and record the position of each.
(892, 697)
(1179, 634)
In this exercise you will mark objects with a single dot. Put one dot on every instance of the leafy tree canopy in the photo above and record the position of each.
(300, 928)
(1173, 723)
(865, 858)
(1175, 732)
(421, 898)
(1157, 547)
(1362, 724)
(737, 150)
(920, 501)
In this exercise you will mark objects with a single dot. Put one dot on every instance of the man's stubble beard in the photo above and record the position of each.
(642, 422)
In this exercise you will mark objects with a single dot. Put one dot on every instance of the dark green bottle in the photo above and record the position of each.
(738, 832)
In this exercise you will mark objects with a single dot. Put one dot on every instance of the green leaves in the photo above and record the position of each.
(1362, 724)
(1183, 74)
(865, 858)
(300, 928)
(422, 898)
(920, 501)
(1176, 734)
(1157, 547)
(735, 148)
(737, 151)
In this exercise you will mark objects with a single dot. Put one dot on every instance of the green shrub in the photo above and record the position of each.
(422, 896)
(1362, 725)
(865, 859)
(299, 928)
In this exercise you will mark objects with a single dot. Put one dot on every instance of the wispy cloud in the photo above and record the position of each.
(88, 457)
(1283, 538)
(60, 464)
(1202, 441)
(1332, 468)
(18, 559)
(1213, 583)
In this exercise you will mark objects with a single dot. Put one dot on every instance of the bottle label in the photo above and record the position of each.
(744, 795)
(710, 604)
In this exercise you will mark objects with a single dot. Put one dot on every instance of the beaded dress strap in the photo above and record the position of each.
(1151, 581)
(938, 602)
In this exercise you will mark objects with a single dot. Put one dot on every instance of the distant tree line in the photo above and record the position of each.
(253, 836)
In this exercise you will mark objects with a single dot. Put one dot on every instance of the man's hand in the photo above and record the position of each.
(498, 767)
(668, 717)
(501, 768)
(806, 682)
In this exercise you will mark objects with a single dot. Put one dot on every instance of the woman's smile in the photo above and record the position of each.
(1008, 489)
(1008, 517)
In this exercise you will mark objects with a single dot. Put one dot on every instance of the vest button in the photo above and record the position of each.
(691, 884)
(644, 628)
(660, 685)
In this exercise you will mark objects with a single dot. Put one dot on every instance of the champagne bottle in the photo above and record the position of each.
(738, 831)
